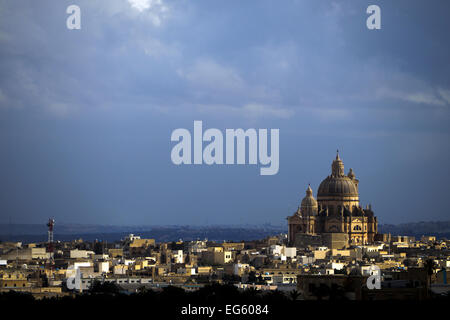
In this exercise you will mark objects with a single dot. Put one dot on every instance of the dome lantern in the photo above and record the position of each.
(309, 191)
(337, 167)
(338, 188)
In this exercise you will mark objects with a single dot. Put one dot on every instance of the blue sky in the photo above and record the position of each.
(86, 115)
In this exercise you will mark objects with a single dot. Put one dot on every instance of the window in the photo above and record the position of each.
(357, 228)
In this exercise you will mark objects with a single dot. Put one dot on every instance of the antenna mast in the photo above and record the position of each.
(50, 225)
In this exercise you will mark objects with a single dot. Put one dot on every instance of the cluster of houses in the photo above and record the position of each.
(407, 268)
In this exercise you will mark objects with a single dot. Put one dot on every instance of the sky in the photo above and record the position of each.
(86, 115)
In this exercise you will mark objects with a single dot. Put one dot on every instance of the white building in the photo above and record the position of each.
(81, 254)
(103, 267)
(178, 256)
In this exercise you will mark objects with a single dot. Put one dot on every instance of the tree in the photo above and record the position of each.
(142, 290)
(104, 288)
(294, 294)
(251, 277)
(429, 266)
(337, 292)
(321, 291)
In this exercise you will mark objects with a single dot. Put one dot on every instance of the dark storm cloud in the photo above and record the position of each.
(86, 115)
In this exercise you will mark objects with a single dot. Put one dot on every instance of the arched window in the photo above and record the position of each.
(357, 228)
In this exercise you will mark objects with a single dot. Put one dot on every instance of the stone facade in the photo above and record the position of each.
(336, 216)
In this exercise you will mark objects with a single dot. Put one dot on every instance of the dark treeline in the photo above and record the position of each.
(108, 300)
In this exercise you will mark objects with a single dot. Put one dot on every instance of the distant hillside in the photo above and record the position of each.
(440, 229)
(38, 233)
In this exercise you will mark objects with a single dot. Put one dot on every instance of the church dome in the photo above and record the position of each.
(309, 203)
(338, 184)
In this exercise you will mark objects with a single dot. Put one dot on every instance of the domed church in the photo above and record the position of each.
(335, 219)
